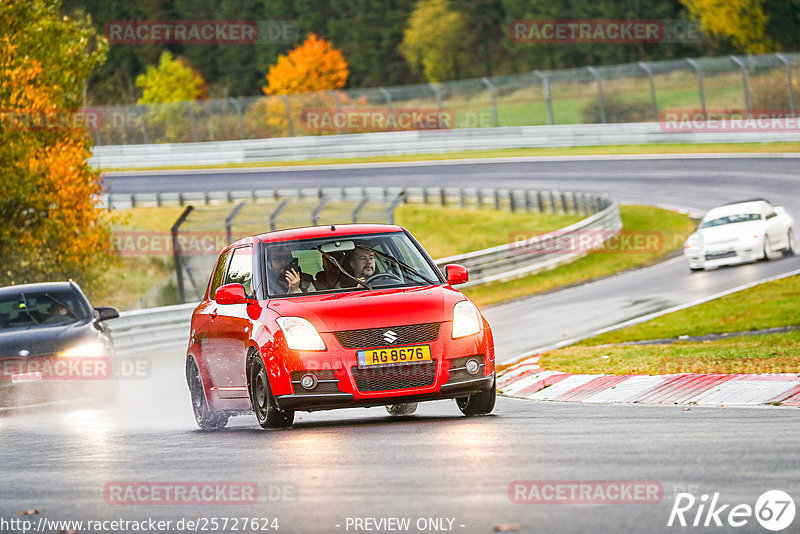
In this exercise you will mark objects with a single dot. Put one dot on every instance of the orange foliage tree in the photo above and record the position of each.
(307, 72)
(50, 225)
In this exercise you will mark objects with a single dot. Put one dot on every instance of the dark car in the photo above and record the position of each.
(50, 337)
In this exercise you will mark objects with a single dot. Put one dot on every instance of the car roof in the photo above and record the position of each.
(751, 206)
(311, 232)
(43, 286)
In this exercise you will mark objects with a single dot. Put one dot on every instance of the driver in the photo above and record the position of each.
(362, 263)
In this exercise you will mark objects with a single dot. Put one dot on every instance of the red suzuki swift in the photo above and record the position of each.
(335, 317)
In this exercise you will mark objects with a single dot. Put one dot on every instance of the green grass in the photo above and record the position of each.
(769, 305)
(774, 353)
(667, 148)
(671, 228)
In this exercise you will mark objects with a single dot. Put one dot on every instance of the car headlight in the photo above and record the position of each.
(92, 349)
(466, 319)
(300, 334)
(694, 242)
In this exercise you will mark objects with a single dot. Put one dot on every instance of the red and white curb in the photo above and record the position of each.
(529, 381)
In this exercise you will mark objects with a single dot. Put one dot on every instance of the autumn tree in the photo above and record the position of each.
(437, 41)
(51, 227)
(308, 72)
(742, 22)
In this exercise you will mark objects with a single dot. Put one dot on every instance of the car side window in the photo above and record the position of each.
(219, 273)
(240, 270)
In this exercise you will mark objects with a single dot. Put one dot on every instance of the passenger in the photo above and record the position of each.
(286, 277)
(330, 277)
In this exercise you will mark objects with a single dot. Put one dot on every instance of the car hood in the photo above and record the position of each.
(43, 340)
(730, 232)
(372, 309)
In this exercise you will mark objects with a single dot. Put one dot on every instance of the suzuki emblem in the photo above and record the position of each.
(389, 336)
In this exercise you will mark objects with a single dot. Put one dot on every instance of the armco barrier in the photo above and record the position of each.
(167, 327)
(413, 142)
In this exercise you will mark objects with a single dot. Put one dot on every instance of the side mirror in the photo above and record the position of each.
(106, 312)
(231, 294)
(456, 274)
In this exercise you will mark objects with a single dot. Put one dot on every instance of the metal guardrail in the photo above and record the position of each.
(414, 142)
(139, 331)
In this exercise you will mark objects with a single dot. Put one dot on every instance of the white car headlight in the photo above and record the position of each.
(694, 242)
(300, 334)
(466, 319)
(92, 349)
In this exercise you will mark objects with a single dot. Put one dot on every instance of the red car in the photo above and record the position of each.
(334, 317)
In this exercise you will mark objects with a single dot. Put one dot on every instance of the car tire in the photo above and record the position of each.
(790, 244)
(205, 418)
(406, 408)
(267, 412)
(480, 403)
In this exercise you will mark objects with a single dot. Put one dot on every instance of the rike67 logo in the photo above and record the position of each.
(774, 510)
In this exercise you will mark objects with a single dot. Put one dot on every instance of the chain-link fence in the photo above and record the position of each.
(637, 92)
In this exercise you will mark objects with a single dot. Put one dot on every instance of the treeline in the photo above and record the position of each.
(472, 40)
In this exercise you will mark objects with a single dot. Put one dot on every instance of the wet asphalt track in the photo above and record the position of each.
(437, 464)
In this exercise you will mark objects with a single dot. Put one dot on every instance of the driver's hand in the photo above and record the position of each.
(293, 279)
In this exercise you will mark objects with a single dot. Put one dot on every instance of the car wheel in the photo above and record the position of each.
(205, 418)
(407, 408)
(479, 403)
(267, 412)
(769, 253)
(790, 244)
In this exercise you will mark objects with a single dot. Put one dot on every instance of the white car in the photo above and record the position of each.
(738, 233)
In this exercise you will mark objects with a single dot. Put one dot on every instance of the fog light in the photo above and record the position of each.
(308, 381)
(473, 366)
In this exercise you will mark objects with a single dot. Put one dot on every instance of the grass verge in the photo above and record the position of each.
(667, 148)
(670, 229)
(768, 305)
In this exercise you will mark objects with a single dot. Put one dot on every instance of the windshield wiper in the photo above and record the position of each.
(405, 266)
(27, 312)
(336, 263)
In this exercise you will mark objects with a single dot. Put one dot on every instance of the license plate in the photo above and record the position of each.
(393, 356)
(26, 377)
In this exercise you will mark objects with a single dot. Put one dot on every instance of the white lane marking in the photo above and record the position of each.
(466, 161)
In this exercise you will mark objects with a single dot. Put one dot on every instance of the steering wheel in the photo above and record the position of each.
(388, 276)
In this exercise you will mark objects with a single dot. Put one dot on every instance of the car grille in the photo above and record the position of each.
(720, 255)
(376, 337)
(395, 377)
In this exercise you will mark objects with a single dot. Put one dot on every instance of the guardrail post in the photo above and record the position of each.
(527, 200)
(176, 252)
(387, 96)
(424, 195)
(357, 211)
(497, 200)
(787, 65)
(512, 204)
(479, 197)
(239, 116)
(315, 214)
(548, 100)
(492, 100)
(133, 200)
(745, 81)
(552, 201)
(462, 201)
(701, 89)
(288, 109)
(399, 199)
(651, 82)
(601, 97)
(438, 94)
(273, 217)
(540, 201)
(229, 221)
(443, 196)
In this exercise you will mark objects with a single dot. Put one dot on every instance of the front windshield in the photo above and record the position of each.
(349, 263)
(37, 308)
(731, 219)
